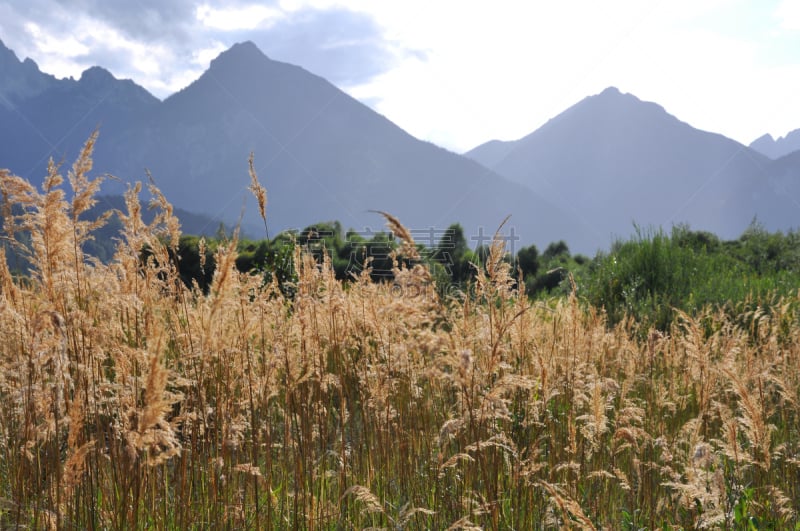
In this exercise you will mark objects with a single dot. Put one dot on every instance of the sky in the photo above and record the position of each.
(455, 72)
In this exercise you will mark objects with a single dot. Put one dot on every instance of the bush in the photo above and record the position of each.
(651, 275)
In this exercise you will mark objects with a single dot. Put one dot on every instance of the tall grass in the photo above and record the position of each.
(653, 274)
(129, 401)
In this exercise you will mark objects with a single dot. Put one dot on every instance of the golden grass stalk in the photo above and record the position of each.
(408, 248)
(259, 192)
(165, 222)
(128, 400)
(568, 507)
(372, 504)
(154, 437)
(8, 288)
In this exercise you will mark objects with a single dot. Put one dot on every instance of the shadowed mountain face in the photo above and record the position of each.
(321, 154)
(586, 176)
(42, 117)
(775, 149)
(613, 160)
(784, 182)
(20, 79)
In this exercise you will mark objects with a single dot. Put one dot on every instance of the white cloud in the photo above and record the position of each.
(712, 79)
(66, 46)
(788, 13)
(204, 56)
(237, 18)
(460, 72)
(501, 70)
(55, 54)
(297, 5)
(153, 65)
(492, 72)
(179, 78)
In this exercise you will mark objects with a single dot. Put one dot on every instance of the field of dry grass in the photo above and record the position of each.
(128, 401)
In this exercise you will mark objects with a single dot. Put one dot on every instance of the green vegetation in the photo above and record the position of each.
(647, 278)
(654, 274)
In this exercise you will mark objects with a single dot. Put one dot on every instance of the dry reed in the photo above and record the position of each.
(130, 400)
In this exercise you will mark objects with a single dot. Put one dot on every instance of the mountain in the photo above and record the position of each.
(613, 160)
(775, 149)
(44, 117)
(321, 154)
(19, 79)
(776, 198)
(492, 152)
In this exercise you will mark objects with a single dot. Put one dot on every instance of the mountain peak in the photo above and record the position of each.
(97, 78)
(95, 74)
(777, 148)
(612, 158)
(240, 53)
(99, 82)
(20, 79)
(608, 91)
(9, 60)
(613, 94)
(5, 51)
(245, 47)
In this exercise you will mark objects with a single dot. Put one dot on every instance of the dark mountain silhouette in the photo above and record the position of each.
(775, 149)
(614, 160)
(47, 118)
(20, 79)
(321, 154)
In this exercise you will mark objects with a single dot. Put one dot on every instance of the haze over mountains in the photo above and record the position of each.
(612, 160)
(321, 154)
(584, 177)
(776, 149)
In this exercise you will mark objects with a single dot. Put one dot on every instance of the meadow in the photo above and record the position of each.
(129, 400)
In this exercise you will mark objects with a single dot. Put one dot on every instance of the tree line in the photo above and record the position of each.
(647, 276)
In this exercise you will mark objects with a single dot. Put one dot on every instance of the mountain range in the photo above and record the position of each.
(585, 177)
(776, 149)
(613, 160)
(321, 154)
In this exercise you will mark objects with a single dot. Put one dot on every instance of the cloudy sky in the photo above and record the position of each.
(455, 72)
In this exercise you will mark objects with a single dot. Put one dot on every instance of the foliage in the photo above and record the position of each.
(653, 274)
(528, 261)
